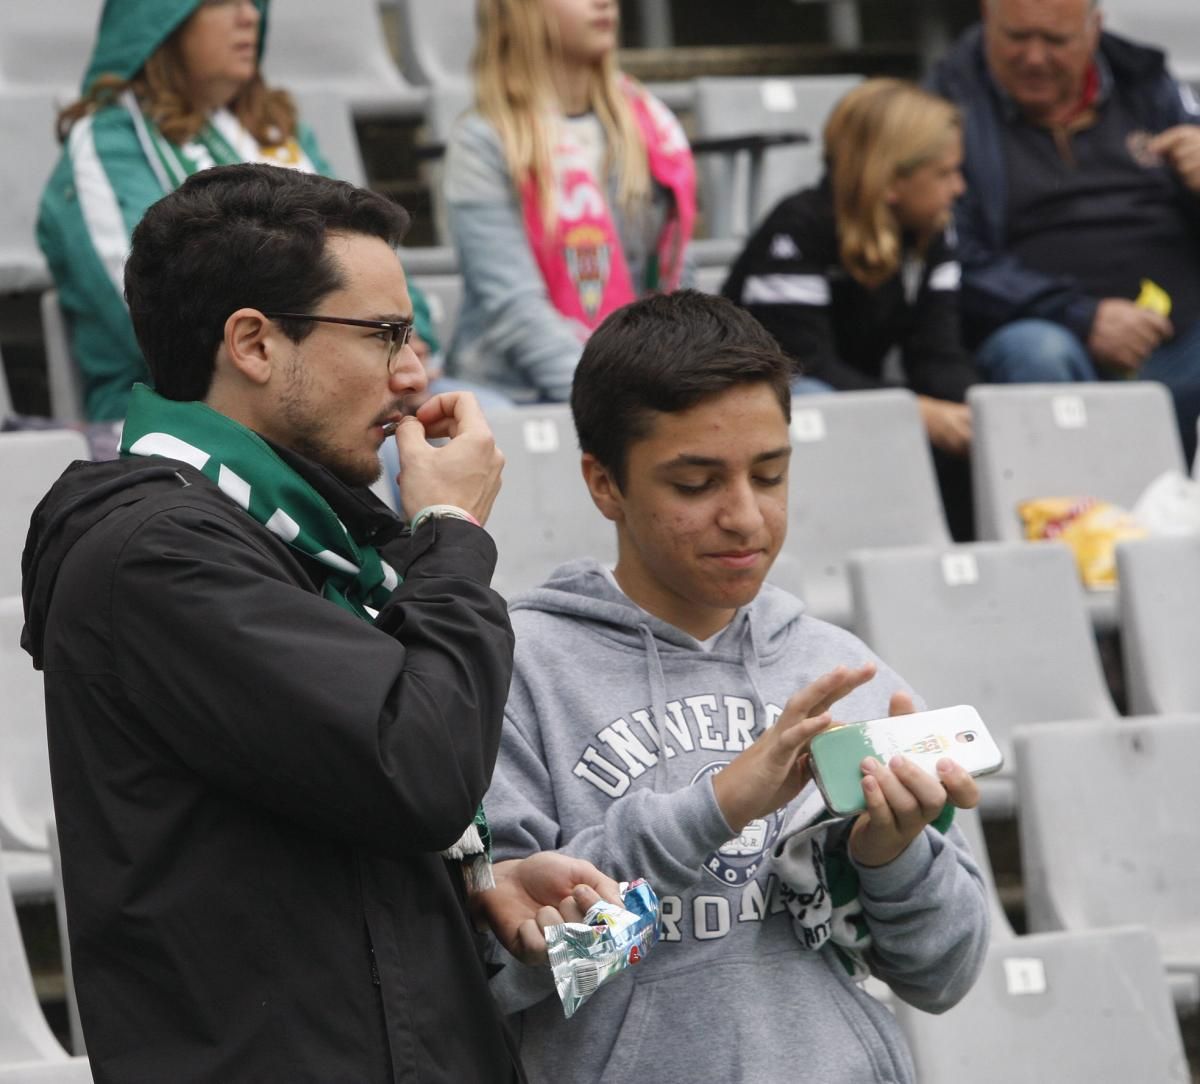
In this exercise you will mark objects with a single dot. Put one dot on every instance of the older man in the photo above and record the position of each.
(1083, 174)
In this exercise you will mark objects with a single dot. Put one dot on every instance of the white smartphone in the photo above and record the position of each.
(924, 737)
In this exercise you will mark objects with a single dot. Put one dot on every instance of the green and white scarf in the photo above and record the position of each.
(223, 141)
(820, 887)
(244, 467)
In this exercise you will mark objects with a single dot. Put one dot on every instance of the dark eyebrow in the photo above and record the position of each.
(709, 461)
(394, 318)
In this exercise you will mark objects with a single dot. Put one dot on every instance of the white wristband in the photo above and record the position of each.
(442, 511)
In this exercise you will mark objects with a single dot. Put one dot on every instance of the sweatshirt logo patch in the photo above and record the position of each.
(738, 861)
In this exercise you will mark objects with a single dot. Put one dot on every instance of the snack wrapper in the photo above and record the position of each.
(1154, 298)
(608, 940)
(1090, 527)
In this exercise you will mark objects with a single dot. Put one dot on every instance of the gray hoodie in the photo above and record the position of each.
(729, 995)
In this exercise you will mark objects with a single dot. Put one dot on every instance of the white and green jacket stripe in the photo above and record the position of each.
(113, 166)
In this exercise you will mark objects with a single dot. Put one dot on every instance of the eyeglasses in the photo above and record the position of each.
(398, 332)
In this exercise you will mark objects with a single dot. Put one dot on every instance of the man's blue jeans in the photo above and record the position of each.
(1039, 352)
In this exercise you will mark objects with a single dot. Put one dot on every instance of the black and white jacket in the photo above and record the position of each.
(790, 277)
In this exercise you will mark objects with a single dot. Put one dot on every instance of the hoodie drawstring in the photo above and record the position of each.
(658, 704)
(749, 651)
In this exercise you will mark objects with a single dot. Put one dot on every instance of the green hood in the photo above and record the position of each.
(130, 31)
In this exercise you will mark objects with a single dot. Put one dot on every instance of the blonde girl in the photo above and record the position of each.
(570, 191)
(865, 262)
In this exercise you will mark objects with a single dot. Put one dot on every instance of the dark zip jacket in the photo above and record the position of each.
(791, 279)
(997, 287)
(252, 785)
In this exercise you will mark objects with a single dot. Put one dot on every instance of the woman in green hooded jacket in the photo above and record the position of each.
(173, 87)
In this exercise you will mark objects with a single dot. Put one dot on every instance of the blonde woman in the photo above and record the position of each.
(864, 262)
(570, 191)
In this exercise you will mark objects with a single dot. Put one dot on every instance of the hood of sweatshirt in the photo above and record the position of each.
(131, 30)
(81, 498)
(586, 593)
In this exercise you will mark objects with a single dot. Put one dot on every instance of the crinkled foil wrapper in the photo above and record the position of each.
(584, 955)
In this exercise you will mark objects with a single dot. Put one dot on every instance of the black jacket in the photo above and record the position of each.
(252, 785)
(997, 287)
(791, 279)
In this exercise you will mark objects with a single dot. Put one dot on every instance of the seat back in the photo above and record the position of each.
(309, 46)
(24, 1033)
(1001, 626)
(447, 102)
(544, 514)
(1160, 623)
(1169, 25)
(971, 826)
(6, 405)
(437, 38)
(1056, 1007)
(30, 151)
(46, 45)
(26, 804)
(30, 463)
(1110, 823)
(739, 107)
(72, 1071)
(861, 476)
(444, 294)
(327, 113)
(1066, 440)
(62, 374)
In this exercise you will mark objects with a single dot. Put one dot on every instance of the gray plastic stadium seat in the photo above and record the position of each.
(1053, 1009)
(1002, 626)
(327, 113)
(1170, 25)
(712, 257)
(1064, 440)
(29, 464)
(62, 374)
(1110, 829)
(971, 826)
(544, 515)
(444, 293)
(30, 151)
(447, 102)
(1160, 623)
(46, 45)
(312, 45)
(738, 107)
(1107, 441)
(24, 1033)
(709, 280)
(861, 476)
(6, 406)
(25, 799)
(72, 1071)
(429, 260)
(437, 38)
(64, 941)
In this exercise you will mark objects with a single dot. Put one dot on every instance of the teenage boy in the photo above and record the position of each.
(654, 727)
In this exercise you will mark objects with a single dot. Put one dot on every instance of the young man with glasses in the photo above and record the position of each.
(1082, 162)
(273, 708)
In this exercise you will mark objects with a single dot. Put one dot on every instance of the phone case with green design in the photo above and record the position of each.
(924, 737)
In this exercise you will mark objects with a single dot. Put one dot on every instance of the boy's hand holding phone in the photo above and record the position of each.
(902, 799)
(769, 774)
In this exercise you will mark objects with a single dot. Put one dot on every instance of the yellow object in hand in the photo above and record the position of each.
(1154, 298)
